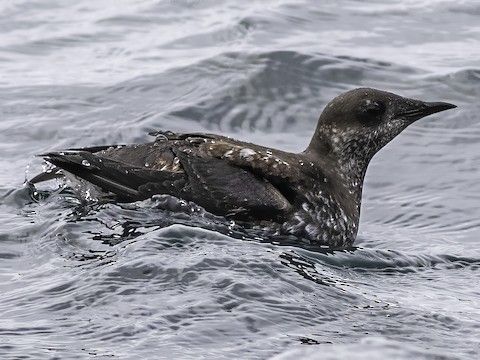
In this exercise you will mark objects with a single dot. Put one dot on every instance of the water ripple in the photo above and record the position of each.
(162, 278)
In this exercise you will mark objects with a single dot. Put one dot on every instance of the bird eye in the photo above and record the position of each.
(371, 111)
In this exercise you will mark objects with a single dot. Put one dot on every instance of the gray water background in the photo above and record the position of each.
(121, 282)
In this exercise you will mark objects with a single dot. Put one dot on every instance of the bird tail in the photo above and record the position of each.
(109, 175)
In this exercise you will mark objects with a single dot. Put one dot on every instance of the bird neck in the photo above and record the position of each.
(347, 159)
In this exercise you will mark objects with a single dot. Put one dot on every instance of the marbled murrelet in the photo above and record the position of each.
(314, 194)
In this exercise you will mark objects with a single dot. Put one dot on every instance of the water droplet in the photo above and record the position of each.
(85, 162)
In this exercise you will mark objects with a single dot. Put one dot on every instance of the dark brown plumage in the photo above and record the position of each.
(315, 194)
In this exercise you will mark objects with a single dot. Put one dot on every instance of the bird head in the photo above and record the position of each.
(358, 123)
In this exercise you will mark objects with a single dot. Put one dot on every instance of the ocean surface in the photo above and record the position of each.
(80, 280)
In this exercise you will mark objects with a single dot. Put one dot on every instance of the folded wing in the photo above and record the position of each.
(188, 166)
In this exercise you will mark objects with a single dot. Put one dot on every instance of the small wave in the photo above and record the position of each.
(367, 348)
(366, 260)
(277, 90)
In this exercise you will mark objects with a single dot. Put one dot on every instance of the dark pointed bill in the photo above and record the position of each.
(423, 109)
(434, 107)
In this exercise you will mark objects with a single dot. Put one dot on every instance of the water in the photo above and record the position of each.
(138, 281)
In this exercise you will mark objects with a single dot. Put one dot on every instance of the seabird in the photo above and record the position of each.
(315, 194)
